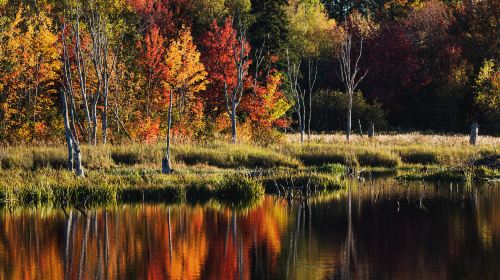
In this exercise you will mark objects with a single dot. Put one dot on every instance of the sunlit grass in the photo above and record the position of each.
(37, 174)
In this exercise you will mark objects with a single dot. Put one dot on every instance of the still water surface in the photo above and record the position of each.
(381, 230)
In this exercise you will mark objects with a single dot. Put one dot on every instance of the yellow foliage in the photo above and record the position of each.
(28, 83)
(185, 73)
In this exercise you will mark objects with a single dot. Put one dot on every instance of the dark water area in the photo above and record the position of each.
(379, 230)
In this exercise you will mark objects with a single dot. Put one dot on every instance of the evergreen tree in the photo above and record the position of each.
(270, 27)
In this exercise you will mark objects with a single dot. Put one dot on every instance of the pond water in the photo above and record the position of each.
(379, 230)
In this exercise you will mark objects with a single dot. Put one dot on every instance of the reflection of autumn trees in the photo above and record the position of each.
(143, 241)
(456, 232)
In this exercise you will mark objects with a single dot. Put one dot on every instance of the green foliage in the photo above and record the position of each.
(487, 96)
(270, 28)
(310, 29)
(336, 168)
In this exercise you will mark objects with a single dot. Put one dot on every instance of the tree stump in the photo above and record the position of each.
(474, 131)
(371, 130)
(360, 128)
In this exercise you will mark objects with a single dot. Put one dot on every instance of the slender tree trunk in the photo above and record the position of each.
(94, 122)
(301, 124)
(304, 123)
(165, 163)
(67, 131)
(105, 116)
(310, 116)
(360, 128)
(233, 123)
(349, 118)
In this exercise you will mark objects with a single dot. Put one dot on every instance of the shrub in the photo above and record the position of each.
(377, 159)
(239, 187)
(334, 169)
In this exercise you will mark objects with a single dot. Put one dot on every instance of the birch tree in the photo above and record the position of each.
(103, 64)
(350, 74)
(69, 109)
(239, 50)
(297, 93)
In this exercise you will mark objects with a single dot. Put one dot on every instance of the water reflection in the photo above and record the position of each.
(373, 230)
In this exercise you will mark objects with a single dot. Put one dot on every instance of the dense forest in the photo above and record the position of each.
(118, 70)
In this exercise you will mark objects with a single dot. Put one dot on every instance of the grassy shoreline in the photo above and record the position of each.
(123, 173)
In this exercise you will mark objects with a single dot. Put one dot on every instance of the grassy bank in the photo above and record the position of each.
(36, 174)
(61, 187)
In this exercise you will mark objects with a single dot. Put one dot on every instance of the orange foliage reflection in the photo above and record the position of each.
(139, 241)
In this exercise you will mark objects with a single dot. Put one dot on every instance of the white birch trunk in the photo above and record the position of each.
(165, 163)
(233, 123)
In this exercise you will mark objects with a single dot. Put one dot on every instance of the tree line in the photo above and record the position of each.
(112, 70)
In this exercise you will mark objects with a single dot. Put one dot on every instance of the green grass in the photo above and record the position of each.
(116, 173)
(234, 156)
(238, 188)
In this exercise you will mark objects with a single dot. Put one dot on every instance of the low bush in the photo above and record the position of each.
(377, 158)
(333, 169)
(239, 187)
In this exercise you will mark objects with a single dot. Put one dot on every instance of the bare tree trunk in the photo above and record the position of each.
(82, 77)
(293, 73)
(105, 118)
(233, 96)
(360, 128)
(349, 118)
(298, 107)
(349, 75)
(312, 75)
(474, 131)
(67, 131)
(165, 163)
(69, 122)
(94, 121)
(233, 123)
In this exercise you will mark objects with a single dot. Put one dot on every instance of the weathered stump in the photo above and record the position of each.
(360, 128)
(474, 131)
(371, 130)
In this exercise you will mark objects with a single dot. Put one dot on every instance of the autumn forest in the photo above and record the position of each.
(242, 67)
